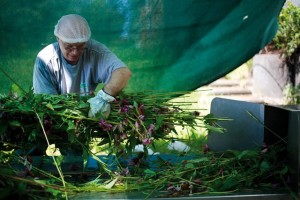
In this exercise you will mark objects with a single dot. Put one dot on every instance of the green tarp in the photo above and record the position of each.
(170, 45)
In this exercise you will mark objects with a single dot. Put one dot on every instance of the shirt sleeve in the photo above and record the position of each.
(110, 63)
(43, 83)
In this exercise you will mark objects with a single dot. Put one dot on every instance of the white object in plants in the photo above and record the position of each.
(178, 146)
(140, 148)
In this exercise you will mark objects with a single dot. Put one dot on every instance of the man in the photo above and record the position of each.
(77, 64)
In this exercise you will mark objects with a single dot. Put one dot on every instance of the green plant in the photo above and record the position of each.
(138, 118)
(205, 173)
(28, 119)
(292, 94)
(287, 38)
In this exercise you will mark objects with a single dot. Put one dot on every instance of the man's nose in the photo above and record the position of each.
(75, 51)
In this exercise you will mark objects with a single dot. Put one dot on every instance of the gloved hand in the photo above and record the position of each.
(100, 105)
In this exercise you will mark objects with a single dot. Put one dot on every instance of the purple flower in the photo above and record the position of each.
(123, 136)
(124, 102)
(141, 117)
(119, 128)
(104, 125)
(125, 171)
(147, 141)
(124, 109)
(117, 140)
(137, 125)
(151, 129)
(141, 109)
(125, 106)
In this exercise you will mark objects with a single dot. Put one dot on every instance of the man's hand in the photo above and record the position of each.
(100, 105)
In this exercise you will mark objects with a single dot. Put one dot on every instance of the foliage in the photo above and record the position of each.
(140, 118)
(135, 119)
(292, 94)
(29, 120)
(287, 38)
(206, 173)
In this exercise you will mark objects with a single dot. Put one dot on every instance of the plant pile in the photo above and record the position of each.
(31, 122)
(55, 125)
(214, 173)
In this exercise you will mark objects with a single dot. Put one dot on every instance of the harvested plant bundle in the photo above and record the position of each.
(134, 119)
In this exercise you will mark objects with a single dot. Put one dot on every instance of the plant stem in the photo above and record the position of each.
(8, 76)
(56, 165)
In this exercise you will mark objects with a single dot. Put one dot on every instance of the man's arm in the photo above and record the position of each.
(99, 105)
(118, 81)
(42, 82)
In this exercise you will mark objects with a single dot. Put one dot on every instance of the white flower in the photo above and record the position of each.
(52, 151)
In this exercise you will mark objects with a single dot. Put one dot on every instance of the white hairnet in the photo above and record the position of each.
(72, 29)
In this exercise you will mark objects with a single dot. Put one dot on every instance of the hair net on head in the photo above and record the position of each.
(72, 29)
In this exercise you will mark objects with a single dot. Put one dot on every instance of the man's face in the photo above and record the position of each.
(71, 51)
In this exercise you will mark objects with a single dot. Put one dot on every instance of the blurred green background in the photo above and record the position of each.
(170, 45)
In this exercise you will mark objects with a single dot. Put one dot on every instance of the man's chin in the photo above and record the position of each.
(73, 61)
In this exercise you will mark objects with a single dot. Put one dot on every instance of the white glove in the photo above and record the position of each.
(100, 105)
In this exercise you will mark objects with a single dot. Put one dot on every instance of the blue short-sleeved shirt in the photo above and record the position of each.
(54, 75)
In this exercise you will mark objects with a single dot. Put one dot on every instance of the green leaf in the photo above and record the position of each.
(199, 160)
(247, 154)
(284, 170)
(15, 89)
(264, 166)
(159, 121)
(32, 136)
(71, 126)
(15, 123)
(190, 165)
(83, 104)
(214, 129)
(111, 183)
(149, 173)
(54, 192)
(25, 108)
(57, 106)
(136, 106)
(49, 105)
(59, 160)
(230, 183)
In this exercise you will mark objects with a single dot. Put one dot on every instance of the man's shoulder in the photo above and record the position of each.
(49, 52)
(96, 46)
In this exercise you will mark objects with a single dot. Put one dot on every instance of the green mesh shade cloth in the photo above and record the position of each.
(170, 45)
